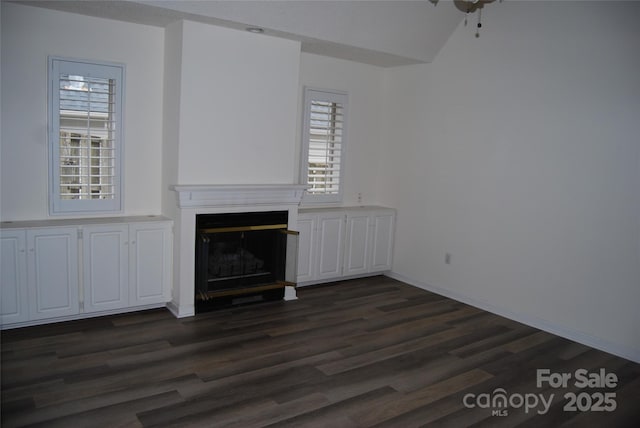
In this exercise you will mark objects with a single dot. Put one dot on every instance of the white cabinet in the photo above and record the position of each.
(39, 273)
(61, 269)
(13, 277)
(320, 246)
(330, 245)
(52, 272)
(150, 263)
(383, 225)
(106, 267)
(357, 260)
(306, 247)
(344, 243)
(127, 265)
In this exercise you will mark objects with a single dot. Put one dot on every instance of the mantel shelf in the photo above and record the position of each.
(211, 196)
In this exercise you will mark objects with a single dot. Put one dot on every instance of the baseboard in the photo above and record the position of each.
(81, 316)
(181, 311)
(290, 293)
(340, 278)
(629, 353)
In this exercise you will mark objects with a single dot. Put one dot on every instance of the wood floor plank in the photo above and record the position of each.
(92, 413)
(274, 414)
(418, 398)
(443, 368)
(246, 379)
(358, 353)
(344, 410)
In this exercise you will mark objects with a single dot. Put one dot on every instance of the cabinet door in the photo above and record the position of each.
(306, 247)
(382, 245)
(52, 272)
(150, 263)
(356, 253)
(330, 245)
(13, 274)
(105, 263)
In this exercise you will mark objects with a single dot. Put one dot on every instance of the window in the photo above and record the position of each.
(85, 136)
(323, 144)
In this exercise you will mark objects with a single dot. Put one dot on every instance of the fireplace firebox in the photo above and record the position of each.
(243, 258)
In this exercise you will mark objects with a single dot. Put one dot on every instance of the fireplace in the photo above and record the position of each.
(194, 200)
(243, 258)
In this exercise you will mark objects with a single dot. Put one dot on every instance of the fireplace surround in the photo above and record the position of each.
(194, 200)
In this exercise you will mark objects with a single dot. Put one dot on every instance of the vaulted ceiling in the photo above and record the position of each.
(385, 33)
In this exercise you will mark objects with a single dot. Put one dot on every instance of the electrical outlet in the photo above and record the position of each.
(447, 258)
(359, 198)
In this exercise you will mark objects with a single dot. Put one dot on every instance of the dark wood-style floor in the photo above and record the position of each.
(370, 352)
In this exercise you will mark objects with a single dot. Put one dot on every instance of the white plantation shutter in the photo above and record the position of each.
(85, 136)
(323, 144)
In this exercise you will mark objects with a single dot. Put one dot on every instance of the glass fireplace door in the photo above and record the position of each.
(236, 260)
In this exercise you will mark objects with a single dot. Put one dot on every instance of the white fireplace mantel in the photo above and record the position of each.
(225, 196)
(210, 199)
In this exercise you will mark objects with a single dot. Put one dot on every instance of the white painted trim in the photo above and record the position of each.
(290, 293)
(181, 311)
(225, 196)
(629, 353)
(340, 278)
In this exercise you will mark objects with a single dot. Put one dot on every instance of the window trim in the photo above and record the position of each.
(56, 67)
(316, 94)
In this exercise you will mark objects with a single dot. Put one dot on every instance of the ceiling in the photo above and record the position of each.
(385, 33)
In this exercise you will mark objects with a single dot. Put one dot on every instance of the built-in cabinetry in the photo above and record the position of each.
(105, 275)
(39, 273)
(339, 243)
(126, 265)
(66, 269)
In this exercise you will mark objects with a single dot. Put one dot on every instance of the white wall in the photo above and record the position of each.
(364, 86)
(238, 101)
(171, 115)
(29, 35)
(518, 153)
